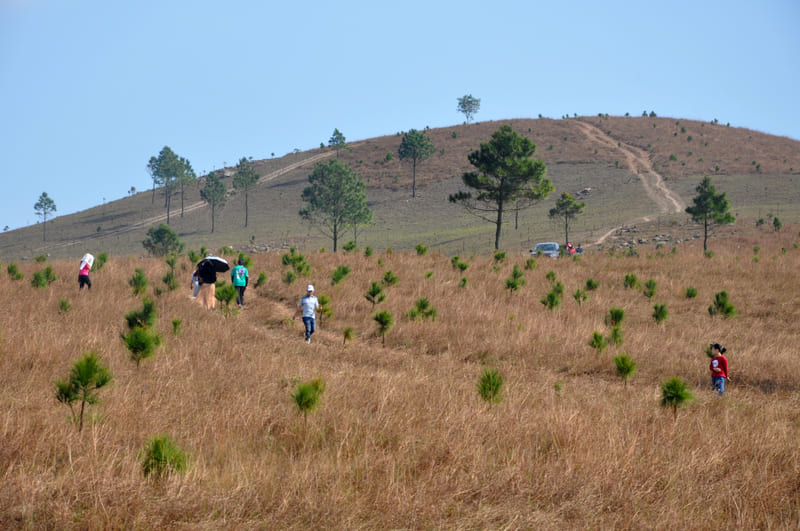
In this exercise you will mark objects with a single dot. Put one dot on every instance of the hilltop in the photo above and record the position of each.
(633, 171)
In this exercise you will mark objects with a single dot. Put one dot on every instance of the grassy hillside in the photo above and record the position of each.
(615, 157)
(401, 438)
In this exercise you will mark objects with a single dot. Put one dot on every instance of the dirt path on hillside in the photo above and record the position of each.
(637, 161)
(176, 212)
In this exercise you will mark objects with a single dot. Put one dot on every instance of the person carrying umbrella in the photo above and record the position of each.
(208, 269)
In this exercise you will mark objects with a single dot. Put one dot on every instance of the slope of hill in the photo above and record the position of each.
(636, 170)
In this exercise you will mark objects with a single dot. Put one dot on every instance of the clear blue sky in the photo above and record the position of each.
(90, 90)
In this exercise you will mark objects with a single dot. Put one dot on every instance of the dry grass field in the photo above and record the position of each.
(401, 439)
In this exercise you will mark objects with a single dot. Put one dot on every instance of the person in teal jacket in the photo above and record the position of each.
(240, 277)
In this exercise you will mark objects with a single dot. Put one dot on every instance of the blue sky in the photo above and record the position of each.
(90, 90)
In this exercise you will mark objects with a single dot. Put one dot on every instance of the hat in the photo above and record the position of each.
(310, 287)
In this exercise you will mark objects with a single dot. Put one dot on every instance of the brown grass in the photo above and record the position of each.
(402, 439)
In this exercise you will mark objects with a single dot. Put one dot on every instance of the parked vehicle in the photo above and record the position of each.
(551, 249)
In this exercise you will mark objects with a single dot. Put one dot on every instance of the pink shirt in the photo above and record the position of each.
(84, 270)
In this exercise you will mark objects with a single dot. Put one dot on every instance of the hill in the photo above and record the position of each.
(636, 171)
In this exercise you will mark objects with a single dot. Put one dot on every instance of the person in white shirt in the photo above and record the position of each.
(309, 306)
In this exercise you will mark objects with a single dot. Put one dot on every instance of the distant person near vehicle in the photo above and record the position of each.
(83, 271)
(240, 277)
(571, 249)
(719, 368)
(208, 289)
(308, 305)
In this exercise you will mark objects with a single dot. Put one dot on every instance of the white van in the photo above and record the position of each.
(551, 249)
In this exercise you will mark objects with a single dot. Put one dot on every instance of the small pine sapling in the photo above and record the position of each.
(674, 394)
(490, 385)
(631, 281)
(579, 296)
(138, 282)
(85, 378)
(660, 313)
(385, 321)
(307, 396)
(422, 310)
(339, 274)
(598, 342)
(162, 456)
(721, 306)
(626, 367)
(375, 294)
(389, 278)
(649, 288)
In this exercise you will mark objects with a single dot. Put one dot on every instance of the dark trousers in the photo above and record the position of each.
(84, 279)
(240, 295)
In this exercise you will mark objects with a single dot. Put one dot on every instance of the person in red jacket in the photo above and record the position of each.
(719, 368)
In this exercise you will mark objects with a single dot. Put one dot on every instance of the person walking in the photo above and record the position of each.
(240, 277)
(195, 282)
(719, 368)
(208, 289)
(308, 305)
(83, 271)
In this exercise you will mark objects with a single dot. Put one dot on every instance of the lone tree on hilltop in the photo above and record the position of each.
(244, 179)
(43, 208)
(507, 177)
(337, 142)
(469, 106)
(709, 208)
(567, 208)
(418, 147)
(336, 199)
(215, 194)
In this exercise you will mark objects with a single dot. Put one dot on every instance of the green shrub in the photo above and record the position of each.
(64, 306)
(42, 279)
(579, 296)
(551, 275)
(138, 282)
(631, 281)
(615, 316)
(389, 278)
(144, 318)
(530, 264)
(162, 456)
(463, 283)
(13, 272)
(289, 277)
(616, 337)
(325, 309)
(177, 325)
(349, 247)
(385, 321)
(660, 312)
(551, 300)
(721, 306)
(85, 378)
(598, 342)
(307, 395)
(591, 284)
(490, 385)
(226, 294)
(626, 367)
(339, 274)
(40, 258)
(421, 249)
(499, 256)
(141, 344)
(368, 251)
(516, 281)
(261, 280)
(375, 294)
(675, 393)
(649, 288)
(297, 262)
(691, 292)
(422, 309)
(100, 261)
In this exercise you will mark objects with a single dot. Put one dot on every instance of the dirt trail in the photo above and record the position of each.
(637, 161)
(176, 212)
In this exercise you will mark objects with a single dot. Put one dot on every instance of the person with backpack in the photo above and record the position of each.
(240, 277)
